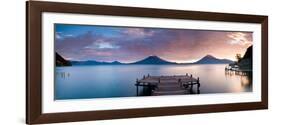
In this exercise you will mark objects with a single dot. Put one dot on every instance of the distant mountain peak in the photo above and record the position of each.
(209, 59)
(209, 56)
(116, 62)
(153, 59)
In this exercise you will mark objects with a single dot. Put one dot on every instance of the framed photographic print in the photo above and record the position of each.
(92, 62)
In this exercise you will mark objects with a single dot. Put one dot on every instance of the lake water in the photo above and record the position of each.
(106, 81)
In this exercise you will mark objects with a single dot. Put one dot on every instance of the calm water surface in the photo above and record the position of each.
(81, 82)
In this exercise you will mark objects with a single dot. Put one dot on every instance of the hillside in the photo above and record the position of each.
(246, 62)
(60, 61)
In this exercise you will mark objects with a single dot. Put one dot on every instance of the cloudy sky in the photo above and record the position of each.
(129, 44)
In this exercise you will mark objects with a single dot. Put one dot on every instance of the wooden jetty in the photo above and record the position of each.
(230, 70)
(168, 85)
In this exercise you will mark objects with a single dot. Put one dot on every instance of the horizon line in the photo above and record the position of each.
(187, 62)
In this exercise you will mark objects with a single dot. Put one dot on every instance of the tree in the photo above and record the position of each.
(238, 57)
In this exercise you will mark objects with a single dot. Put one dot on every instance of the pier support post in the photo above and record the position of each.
(157, 83)
(137, 84)
(198, 85)
(179, 81)
(137, 90)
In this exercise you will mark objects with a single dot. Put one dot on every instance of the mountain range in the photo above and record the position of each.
(93, 62)
(208, 59)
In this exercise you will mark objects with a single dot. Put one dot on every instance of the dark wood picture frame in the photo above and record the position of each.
(34, 10)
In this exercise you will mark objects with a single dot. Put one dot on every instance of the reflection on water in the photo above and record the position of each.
(80, 82)
(244, 76)
(62, 74)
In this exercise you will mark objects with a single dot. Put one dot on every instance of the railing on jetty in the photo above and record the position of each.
(230, 70)
(169, 85)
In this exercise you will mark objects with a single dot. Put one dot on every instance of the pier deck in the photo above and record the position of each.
(169, 85)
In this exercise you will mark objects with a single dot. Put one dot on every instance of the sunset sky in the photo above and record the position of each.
(129, 44)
